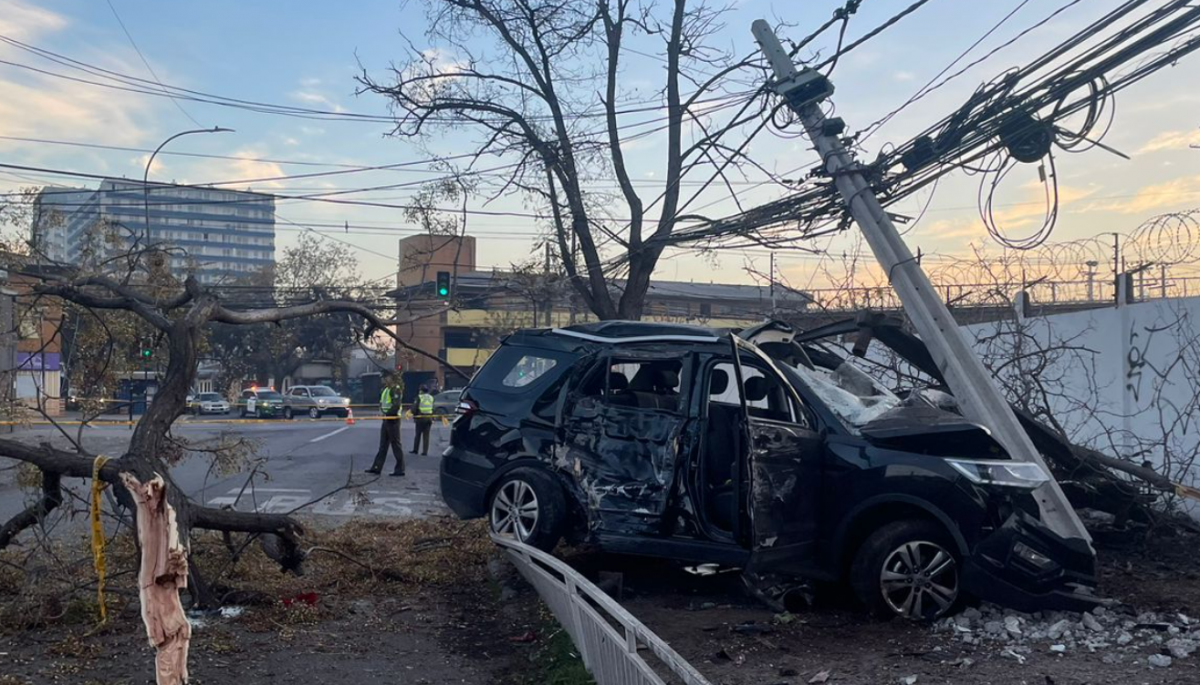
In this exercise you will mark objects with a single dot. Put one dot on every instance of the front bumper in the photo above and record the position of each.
(1000, 568)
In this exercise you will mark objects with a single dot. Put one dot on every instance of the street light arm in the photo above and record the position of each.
(149, 162)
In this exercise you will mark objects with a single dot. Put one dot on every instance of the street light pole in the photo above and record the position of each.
(146, 172)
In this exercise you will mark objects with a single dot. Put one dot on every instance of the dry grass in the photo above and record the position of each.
(360, 559)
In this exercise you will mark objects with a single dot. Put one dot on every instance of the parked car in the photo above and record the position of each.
(209, 403)
(315, 401)
(446, 402)
(697, 445)
(261, 403)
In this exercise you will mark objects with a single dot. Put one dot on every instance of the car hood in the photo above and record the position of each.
(927, 430)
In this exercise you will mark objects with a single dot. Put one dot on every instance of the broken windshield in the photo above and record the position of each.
(849, 392)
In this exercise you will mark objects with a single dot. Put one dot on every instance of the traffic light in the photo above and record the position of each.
(443, 284)
(147, 353)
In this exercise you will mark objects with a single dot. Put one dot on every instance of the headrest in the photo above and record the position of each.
(718, 382)
(666, 379)
(617, 381)
(756, 388)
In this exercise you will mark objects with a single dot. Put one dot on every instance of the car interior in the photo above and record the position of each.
(723, 441)
(641, 384)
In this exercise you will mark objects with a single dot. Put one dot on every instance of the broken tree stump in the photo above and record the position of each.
(163, 573)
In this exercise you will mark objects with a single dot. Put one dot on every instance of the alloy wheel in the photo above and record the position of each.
(919, 580)
(314, 413)
(515, 510)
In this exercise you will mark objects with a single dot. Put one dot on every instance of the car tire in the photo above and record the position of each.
(314, 413)
(909, 569)
(529, 505)
(287, 414)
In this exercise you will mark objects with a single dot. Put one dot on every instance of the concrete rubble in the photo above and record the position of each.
(1121, 635)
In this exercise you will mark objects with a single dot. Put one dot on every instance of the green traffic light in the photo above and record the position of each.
(147, 353)
(443, 291)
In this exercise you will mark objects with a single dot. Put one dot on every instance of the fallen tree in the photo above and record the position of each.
(141, 480)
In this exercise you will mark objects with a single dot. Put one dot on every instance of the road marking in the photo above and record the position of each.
(330, 435)
(258, 489)
(376, 503)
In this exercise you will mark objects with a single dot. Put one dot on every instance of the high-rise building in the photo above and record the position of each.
(217, 234)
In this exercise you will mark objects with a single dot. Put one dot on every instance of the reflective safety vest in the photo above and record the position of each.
(385, 400)
(425, 403)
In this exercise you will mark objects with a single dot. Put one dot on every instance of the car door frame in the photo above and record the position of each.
(629, 507)
(779, 476)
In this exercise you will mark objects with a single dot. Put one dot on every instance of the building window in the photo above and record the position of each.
(457, 338)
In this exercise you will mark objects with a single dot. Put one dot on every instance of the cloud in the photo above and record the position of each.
(42, 106)
(243, 167)
(1171, 140)
(903, 76)
(1156, 197)
(23, 21)
(1008, 216)
(314, 98)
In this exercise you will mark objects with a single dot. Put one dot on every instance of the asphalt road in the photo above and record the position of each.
(300, 464)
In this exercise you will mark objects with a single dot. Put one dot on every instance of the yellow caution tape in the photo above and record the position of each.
(98, 535)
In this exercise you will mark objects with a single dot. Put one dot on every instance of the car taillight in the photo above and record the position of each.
(466, 408)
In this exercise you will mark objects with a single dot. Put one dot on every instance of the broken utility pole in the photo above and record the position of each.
(978, 397)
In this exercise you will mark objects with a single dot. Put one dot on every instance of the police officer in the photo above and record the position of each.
(389, 429)
(422, 421)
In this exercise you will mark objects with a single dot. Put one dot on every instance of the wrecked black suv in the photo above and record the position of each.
(752, 451)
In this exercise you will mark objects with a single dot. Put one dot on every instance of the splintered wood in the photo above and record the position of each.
(162, 575)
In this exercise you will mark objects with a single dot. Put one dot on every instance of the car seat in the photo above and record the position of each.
(722, 446)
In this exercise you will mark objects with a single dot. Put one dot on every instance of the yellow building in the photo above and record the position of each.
(484, 306)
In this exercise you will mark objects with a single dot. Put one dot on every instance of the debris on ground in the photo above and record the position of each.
(1159, 661)
(1118, 631)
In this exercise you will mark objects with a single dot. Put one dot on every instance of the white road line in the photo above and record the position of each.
(257, 489)
(330, 435)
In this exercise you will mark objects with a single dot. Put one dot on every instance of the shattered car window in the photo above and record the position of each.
(527, 370)
(849, 392)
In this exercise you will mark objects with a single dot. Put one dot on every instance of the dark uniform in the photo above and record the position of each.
(389, 429)
(422, 422)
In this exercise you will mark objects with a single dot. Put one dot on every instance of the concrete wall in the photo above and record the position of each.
(1122, 379)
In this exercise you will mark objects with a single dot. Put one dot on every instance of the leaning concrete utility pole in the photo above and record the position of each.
(979, 398)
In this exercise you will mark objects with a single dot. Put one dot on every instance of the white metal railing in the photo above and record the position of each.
(608, 637)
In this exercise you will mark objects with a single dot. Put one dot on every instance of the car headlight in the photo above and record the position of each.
(1013, 474)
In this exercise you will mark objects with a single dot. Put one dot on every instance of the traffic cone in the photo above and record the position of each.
(349, 417)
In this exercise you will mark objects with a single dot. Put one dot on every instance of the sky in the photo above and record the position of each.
(306, 53)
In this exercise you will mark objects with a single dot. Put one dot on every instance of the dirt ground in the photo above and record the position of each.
(422, 602)
(430, 602)
(734, 640)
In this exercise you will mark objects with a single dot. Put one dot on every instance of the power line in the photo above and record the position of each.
(930, 87)
(128, 83)
(147, 63)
